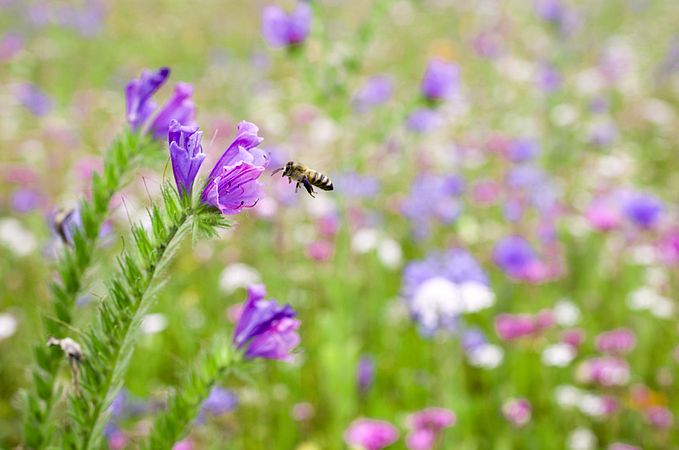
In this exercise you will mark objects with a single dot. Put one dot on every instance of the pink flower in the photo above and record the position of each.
(573, 337)
(659, 417)
(620, 340)
(186, 444)
(426, 426)
(370, 434)
(515, 326)
(320, 250)
(604, 214)
(605, 371)
(517, 411)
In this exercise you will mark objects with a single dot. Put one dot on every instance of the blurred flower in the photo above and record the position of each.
(659, 417)
(153, 323)
(268, 329)
(582, 439)
(138, 95)
(236, 276)
(302, 411)
(232, 184)
(320, 250)
(355, 185)
(433, 199)
(8, 325)
(218, 402)
(549, 79)
(524, 149)
(603, 133)
(281, 29)
(440, 80)
(558, 355)
(616, 341)
(603, 214)
(15, 237)
(184, 444)
(24, 200)
(442, 287)
(35, 100)
(472, 339)
(370, 434)
(574, 337)
(642, 209)
(365, 373)
(646, 298)
(10, 45)
(488, 44)
(516, 257)
(515, 326)
(517, 411)
(426, 426)
(566, 313)
(186, 153)
(117, 440)
(622, 446)
(668, 247)
(485, 356)
(179, 107)
(375, 91)
(605, 371)
(424, 120)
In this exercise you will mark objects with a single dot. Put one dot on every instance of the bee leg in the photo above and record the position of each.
(308, 186)
(290, 180)
(296, 187)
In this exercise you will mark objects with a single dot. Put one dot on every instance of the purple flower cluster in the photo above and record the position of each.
(140, 106)
(374, 92)
(440, 80)
(286, 30)
(266, 329)
(442, 204)
(370, 434)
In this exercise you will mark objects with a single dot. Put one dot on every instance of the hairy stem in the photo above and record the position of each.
(184, 405)
(71, 268)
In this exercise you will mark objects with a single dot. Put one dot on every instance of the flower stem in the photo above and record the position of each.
(72, 267)
(184, 405)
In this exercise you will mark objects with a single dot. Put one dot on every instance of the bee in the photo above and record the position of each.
(305, 176)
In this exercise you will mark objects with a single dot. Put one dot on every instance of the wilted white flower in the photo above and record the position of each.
(16, 238)
(153, 323)
(236, 276)
(558, 355)
(566, 313)
(8, 325)
(486, 356)
(582, 439)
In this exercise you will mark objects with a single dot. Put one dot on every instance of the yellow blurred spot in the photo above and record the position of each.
(443, 49)
(307, 446)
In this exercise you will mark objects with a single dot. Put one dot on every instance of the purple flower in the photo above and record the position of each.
(370, 434)
(10, 45)
(24, 200)
(180, 108)
(620, 340)
(138, 96)
(376, 90)
(659, 417)
(36, 101)
(515, 256)
(642, 209)
(281, 29)
(521, 150)
(355, 185)
(426, 426)
(514, 326)
(433, 198)
(517, 411)
(365, 373)
(268, 329)
(232, 184)
(603, 133)
(440, 80)
(424, 120)
(219, 401)
(549, 79)
(186, 154)
(473, 339)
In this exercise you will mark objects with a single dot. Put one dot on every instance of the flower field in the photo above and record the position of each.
(401, 224)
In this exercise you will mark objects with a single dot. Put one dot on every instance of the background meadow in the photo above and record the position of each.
(502, 240)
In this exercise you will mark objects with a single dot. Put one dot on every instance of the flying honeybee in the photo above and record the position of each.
(305, 176)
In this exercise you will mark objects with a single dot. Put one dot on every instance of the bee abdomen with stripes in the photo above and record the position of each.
(305, 177)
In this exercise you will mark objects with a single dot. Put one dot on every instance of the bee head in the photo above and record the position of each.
(287, 170)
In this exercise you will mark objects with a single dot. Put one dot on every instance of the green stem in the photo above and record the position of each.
(72, 267)
(109, 341)
(184, 405)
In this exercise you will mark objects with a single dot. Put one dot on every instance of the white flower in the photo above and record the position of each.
(558, 355)
(389, 252)
(153, 323)
(663, 308)
(238, 275)
(567, 395)
(436, 299)
(487, 356)
(582, 439)
(476, 296)
(16, 238)
(592, 405)
(8, 325)
(365, 240)
(566, 313)
(642, 298)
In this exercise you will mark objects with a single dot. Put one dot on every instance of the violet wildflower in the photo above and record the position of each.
(219, 401)
(34, 99)
(265, 328)
(24, 200)
(286, 30)
(186, 153)
(138, 95)
(426, 427)
(516, 257)
(659, 417)
(549, 79)
(370, 434)
(374, 92)
(441, 204)
(524, 149)
(180, 107)
(616, 341)
(232, 184)
(10, 45)
(642, 209)
(603, 133)
(424, 120)
(517, 411)
(440, 80)
(365, 374)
